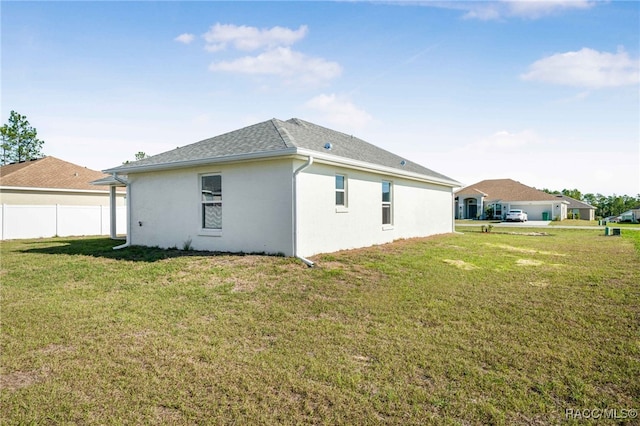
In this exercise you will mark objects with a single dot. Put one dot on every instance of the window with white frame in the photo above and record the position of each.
(341, 190)
(387, 201)
(211, 190)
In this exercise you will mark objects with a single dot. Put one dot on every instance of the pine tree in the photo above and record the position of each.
(19, 140)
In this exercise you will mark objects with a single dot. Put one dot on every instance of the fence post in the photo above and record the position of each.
(4, 220)
(113, 233)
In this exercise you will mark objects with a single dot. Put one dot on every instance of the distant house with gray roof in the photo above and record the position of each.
(493, 198)
(578, 209)
(289, 187)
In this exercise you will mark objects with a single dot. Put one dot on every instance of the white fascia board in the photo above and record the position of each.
(32, 189)
(375, 168)
(108, 181)
(319, 156)
(203, 161)
(533, 203)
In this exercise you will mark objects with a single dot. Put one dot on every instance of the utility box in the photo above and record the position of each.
(611, 231)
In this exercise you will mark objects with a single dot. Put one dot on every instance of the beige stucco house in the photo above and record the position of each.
(493, 198)
(49, 196)
(50, 181)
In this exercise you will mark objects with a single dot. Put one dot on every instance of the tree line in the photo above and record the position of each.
(606, 205)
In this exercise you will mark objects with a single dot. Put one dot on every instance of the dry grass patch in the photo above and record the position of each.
(540, 284)
(460, 264)
(524, 249)
(21, 379)
(529, 262)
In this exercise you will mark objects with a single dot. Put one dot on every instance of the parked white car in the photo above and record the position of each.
(516, 216)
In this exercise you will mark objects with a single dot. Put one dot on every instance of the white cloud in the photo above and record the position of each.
(185, 38)
(250, 38)
(526, 9)
(586, 68)
(534, 9)
(506, 141)
(339, 112)
(293, 66)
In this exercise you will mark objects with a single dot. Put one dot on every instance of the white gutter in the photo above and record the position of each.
(376, 168)
(309, 162)
(36, 189)
(202, 161)
(318, 157)
(128, 241)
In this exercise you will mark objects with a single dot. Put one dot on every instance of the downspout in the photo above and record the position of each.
(128, 241)
(295, 211)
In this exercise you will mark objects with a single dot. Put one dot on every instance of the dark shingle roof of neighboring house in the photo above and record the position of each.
(277, 137)
(575, 204)
(50, 172)
(506, 190)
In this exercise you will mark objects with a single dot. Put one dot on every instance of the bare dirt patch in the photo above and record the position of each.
(460, 264)
(56, 349)
(524, 250)
(21, 379)
(530, 234)
(168, 414)
(529, 262)
(539, 284)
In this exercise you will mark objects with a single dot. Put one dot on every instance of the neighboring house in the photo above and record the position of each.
(632, 215)
(578, 209)
(49, 196)
(288, 187)
(493, 198)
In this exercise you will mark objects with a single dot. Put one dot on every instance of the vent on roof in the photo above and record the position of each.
(328, 146)
(403, 163)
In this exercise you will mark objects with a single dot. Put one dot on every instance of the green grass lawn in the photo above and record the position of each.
(474, 328)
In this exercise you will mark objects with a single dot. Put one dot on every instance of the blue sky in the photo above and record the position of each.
(546, 93)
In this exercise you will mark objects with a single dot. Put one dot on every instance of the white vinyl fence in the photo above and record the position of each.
(32, 221)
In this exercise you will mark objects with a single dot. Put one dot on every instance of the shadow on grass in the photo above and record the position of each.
(103, 247)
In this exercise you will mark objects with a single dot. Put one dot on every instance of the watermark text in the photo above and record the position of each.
(600, 413)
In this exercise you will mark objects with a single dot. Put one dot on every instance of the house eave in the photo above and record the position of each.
(201, 162)
(67, 190)
(376, 168)
(283, 153)
(108, 181)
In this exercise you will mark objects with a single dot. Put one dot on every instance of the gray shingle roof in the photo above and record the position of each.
(575, 204)
(274, 136)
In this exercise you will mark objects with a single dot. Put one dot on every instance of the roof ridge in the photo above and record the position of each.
(308, 124)
(287, 138)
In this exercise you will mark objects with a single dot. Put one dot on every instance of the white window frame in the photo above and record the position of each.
(203, 230)
(387, 204)
(342, 208)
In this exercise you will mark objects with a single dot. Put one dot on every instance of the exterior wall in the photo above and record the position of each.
(44, 221)
(588, 214)
(418, 210)
(67, 198)
(256, 208)
(534, 209)
(585, 214)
